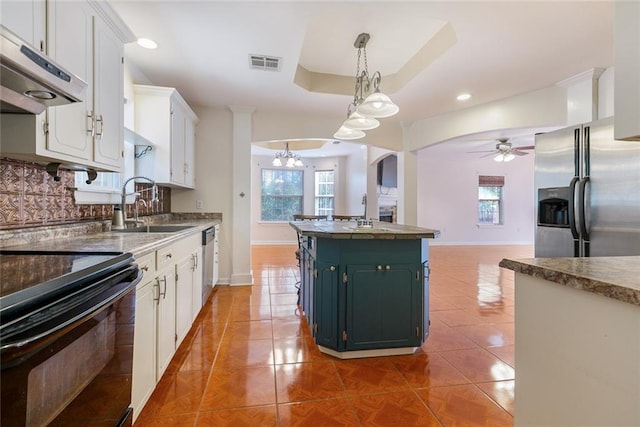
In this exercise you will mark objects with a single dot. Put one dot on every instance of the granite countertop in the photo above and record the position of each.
(138, 244)
(612, 277)
(349, 230)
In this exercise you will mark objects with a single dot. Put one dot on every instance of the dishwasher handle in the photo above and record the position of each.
(208, 235)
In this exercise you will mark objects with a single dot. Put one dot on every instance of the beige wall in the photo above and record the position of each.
(213, 177)
(346, 189)
(214, 151)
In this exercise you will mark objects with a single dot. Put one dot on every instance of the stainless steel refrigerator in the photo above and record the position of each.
(587, 192)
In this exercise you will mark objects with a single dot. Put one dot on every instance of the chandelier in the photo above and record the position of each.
(290, 159)
(363, 112)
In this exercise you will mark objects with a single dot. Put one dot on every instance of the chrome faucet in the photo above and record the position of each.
(154, 198)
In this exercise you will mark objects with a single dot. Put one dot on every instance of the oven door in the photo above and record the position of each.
(71, 362)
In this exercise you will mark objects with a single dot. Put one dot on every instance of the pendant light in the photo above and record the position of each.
(362, 113)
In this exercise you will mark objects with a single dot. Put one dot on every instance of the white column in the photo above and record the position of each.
(241, 198)
(407, 183)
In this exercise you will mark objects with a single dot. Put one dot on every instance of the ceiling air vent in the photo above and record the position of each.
(262, 62)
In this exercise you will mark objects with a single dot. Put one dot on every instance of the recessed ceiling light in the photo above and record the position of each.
(147, 43)
(463, 96)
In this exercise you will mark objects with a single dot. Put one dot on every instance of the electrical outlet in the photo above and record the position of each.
(199, 204)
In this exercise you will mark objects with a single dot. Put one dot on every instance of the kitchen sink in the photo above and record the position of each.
(155, 229)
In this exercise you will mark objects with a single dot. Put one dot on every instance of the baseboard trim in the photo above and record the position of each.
(274, 243)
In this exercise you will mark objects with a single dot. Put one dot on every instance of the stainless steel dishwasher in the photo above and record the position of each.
(208, 255)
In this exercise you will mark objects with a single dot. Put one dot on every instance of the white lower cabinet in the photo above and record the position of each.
(144, 341)
(166, 326)
(184, 298)
(165, 302)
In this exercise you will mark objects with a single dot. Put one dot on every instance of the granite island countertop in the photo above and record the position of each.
(138, 244)
(613, 277)
(350, 230)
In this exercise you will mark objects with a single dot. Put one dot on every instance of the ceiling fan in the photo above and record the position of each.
(505, 151)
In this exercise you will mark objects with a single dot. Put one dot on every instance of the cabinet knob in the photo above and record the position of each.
(388, 267)
(144, 268)
(379, 268)
(332, 268)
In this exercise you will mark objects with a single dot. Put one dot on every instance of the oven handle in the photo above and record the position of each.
(85, 311)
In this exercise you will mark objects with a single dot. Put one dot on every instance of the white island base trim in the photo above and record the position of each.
(358, 354)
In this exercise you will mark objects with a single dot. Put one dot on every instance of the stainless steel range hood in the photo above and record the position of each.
(30, 81)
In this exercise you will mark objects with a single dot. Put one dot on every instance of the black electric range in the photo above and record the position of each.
(64, 317)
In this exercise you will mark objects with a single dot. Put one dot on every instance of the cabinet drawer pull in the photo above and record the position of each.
(156, 285)
(167, 256)
(164, 293)
(388, 267)
(332, 268)
(379, 268)
(144, 268)
(91, 130)
(101, 121)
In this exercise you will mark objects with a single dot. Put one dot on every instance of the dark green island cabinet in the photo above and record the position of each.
(365, 290)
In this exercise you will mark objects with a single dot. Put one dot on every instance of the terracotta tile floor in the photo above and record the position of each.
(249, 359)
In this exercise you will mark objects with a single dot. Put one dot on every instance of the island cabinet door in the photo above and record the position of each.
(383, 304)
(325, 302)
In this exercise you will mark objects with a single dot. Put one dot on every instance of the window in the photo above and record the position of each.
(324, 193)
(490, 200)
(104, 190)
(281, 194)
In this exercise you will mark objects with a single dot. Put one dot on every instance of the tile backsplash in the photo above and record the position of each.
(29, 197)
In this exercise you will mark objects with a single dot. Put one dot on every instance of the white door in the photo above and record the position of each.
(70, 43)
(166, 329)
(27, 19)
(108, 100)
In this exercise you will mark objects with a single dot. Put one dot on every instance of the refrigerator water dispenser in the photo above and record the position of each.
(553, 207)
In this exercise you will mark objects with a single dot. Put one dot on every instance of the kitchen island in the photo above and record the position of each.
(365, 290)
(577, 351)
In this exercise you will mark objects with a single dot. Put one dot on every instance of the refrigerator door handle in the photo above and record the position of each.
(582, 203)
(572, 211)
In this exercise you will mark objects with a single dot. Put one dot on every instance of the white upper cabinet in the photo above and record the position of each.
(87, 38)
(163, 117)
(70, 43)
(627, 70)
(26, 18)
(108, 96)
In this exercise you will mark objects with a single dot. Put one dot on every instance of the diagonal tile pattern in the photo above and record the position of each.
(249, 359)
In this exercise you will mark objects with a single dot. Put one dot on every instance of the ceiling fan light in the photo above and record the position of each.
(357, 121)
(499, 157)
(378, 105)
(508, 157)
(347, 134)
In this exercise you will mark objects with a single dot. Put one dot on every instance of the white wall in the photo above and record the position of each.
(448, 199)
(545, 107)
